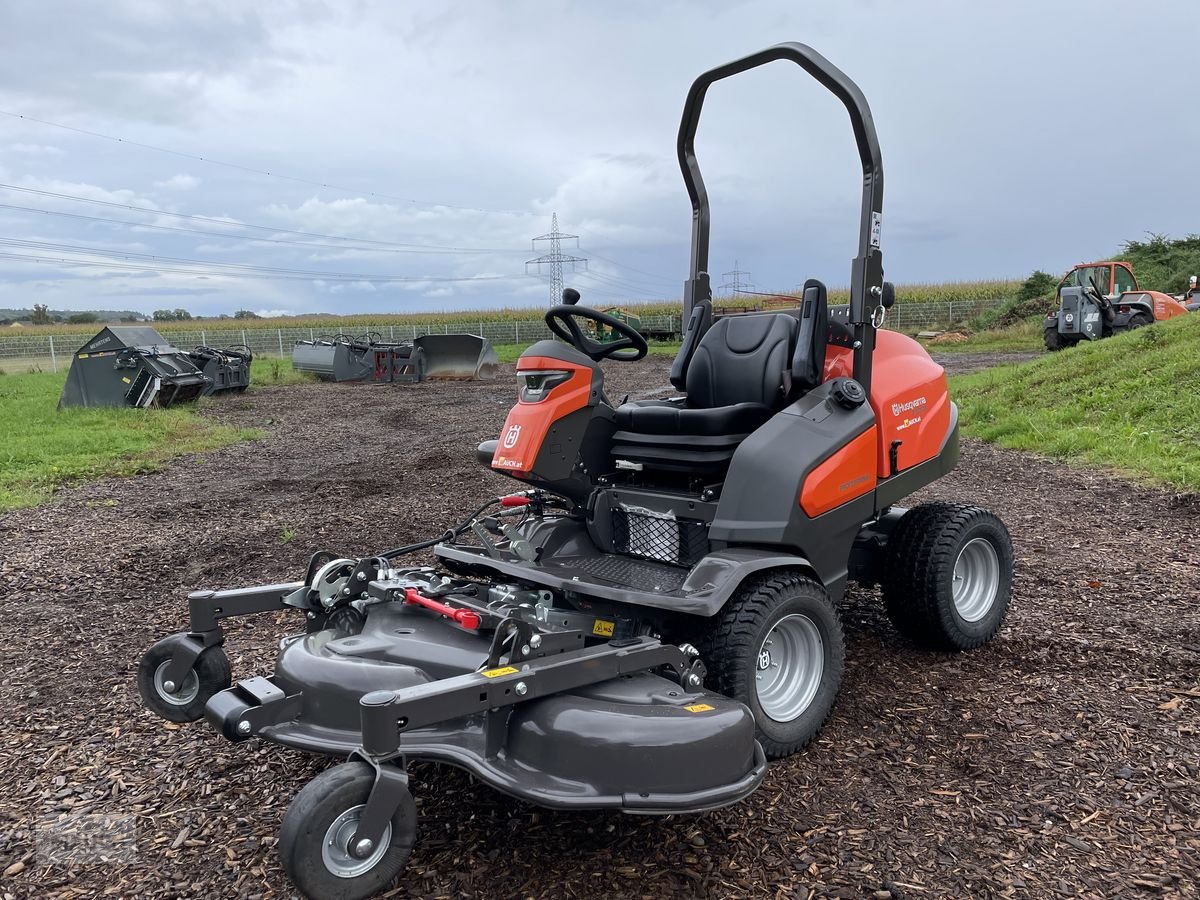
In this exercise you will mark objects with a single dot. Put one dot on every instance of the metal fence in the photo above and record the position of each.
(53, 352)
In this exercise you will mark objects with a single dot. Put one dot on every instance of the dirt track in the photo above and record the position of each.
(1062, 760)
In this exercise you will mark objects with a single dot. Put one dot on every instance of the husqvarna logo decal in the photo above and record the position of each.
(898, 408)
(512, 436)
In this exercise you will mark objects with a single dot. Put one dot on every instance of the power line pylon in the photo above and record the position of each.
(555, 261)
(736, 281)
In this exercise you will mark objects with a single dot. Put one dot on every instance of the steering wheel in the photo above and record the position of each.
(630, 347)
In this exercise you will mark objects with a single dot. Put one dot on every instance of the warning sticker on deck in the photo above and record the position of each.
(698, 707)
(603, 628)
(496, 673)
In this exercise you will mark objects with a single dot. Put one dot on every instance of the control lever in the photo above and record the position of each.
(570, 296)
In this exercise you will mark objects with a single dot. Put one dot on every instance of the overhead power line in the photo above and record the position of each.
(662, 278)
(168, 270)
(433, 250)
(209, 267)
(251, 170)
(213, 220)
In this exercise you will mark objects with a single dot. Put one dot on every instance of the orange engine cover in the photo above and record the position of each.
(530, 421)
(909, 397)
(1164, 305)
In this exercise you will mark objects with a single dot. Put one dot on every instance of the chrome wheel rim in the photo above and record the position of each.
(976, 579)
(335, 849)
(187, 691)
(789, 667)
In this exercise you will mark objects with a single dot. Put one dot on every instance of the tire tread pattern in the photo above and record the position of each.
(921, 554)
(735, 633)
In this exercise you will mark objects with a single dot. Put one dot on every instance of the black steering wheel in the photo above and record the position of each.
(629, 347)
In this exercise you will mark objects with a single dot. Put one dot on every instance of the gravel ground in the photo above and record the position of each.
(1060, 760)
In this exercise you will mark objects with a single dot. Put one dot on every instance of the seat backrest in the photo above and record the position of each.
(742, 359)
(808, 361)
(697, 327)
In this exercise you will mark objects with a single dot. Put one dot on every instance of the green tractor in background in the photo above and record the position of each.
(604, 333)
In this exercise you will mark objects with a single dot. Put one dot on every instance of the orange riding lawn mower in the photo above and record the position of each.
(1100, 299)
(652, 614)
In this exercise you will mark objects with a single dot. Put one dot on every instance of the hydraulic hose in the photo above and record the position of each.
(448, 535)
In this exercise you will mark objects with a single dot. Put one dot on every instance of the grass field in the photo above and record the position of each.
(1127, 403)
(51, 448)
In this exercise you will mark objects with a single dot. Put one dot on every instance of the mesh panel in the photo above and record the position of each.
(657, 536)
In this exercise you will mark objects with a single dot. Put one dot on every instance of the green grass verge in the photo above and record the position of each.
(1127, 403)
(44, 448)
(276, 370)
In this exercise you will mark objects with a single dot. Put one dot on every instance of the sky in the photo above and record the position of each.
(415, 149)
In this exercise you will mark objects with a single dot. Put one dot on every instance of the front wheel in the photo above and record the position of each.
(1139, 320)
(949, 575)
(315, 839)
(778, 648)
(1054, 340)
(183, 702)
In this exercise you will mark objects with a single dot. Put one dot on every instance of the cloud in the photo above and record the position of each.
(274, 313)
(180, 182)
(36, 149)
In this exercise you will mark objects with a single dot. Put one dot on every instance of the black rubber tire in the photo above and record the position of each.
(211, 668)
(731, 645)
(1053, 339)
(918, 582)
(308, 819)
(1139, 320)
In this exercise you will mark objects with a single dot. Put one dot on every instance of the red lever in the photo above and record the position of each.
(514, 500)
(463, 617)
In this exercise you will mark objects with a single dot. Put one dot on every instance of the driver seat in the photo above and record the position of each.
(744, 369)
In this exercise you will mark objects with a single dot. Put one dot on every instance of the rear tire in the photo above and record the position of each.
(777, 647)
(1053, 339)
(1139, 320)
(948, 575)
(319, 822)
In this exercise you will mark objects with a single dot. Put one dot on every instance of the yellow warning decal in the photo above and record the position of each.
(698, 707)
(83, 356)
(496, 673)
(124, 379)
(603, 628)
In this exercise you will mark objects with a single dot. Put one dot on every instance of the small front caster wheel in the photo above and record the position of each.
(315, 841)
(185, 701)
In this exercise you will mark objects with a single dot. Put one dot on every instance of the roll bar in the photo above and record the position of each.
(866, 270)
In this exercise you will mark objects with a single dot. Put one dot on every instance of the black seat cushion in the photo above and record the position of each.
(663, 417)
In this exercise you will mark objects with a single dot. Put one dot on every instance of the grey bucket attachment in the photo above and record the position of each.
(226, 368)
(442, 356)
(458, 356)
(131, 365)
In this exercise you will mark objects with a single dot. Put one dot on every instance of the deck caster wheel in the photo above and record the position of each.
(183, 702)
(949, 575)
(315, 839)
(778, 648)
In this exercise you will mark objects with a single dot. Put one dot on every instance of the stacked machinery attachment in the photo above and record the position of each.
(370, 358)
(226, 368)
(653, 614)
(134, 365)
